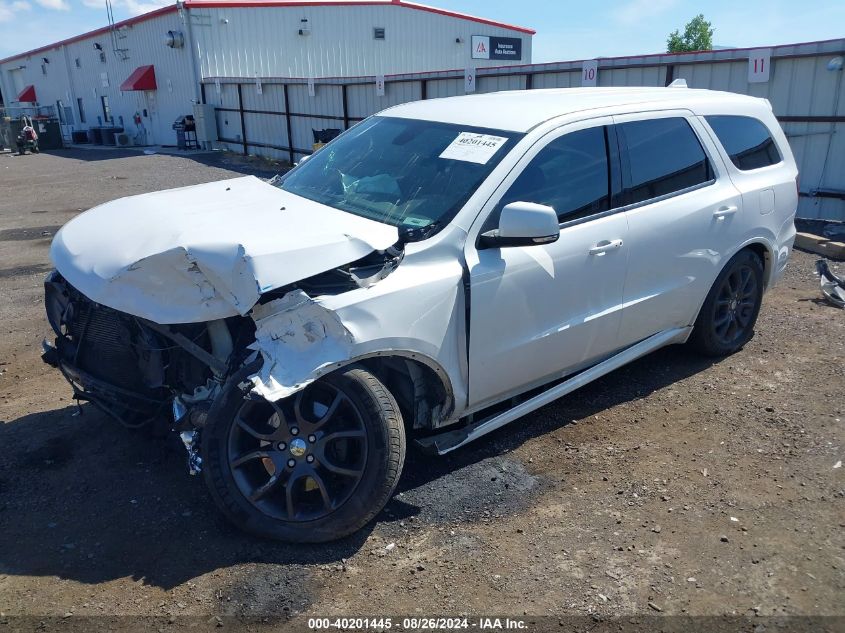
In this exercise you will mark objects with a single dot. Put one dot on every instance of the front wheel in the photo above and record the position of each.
(313, 467)
(726, 321)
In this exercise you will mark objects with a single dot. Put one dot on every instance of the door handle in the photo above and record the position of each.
(604, 246)
(723, 212)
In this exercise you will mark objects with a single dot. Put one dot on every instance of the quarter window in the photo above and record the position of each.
(664, 156)
(570, 175)
(746, 140)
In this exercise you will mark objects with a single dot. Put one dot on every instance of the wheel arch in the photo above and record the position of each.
(765, 252)
(762, 249)
(421, 386)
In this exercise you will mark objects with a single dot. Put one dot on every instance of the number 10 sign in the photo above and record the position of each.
(590, 72)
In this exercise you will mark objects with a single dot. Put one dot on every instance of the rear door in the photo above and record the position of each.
(683, 217)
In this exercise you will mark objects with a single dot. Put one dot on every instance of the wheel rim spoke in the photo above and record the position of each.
(343, 435)
(295, 476)
(321, 486)
(303, 476)
(243, 459)
(260, 492)
(243, 424)
(337, 469)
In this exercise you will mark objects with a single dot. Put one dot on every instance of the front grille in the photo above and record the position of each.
(105, 345)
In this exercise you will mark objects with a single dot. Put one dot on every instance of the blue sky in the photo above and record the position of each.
(565, 30)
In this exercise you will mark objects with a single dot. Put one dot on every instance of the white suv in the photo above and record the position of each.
(435, 272)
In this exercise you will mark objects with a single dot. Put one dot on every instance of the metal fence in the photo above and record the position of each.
(276, 117)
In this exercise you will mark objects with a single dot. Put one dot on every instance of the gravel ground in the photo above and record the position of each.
(675, 486)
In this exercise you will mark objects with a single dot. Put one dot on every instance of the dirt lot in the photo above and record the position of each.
(674, 486)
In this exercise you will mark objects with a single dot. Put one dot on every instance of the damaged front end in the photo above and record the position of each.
(131, 368)
(139, 371)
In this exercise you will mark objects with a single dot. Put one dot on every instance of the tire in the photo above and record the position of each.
(331, 477)
(727, 318)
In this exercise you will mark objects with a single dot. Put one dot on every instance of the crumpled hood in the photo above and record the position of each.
(208, 251)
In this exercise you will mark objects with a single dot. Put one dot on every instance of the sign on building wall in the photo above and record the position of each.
(759, 65)
(590, 72)
(379, 85)
(312, 89)
(104, 80)
(489, 47)
(469, 80)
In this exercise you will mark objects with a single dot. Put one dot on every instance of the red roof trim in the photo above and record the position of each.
(237, 4)
(27, 95)
(142, 78)
(104, 30)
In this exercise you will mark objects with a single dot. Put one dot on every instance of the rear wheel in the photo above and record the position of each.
(310, 468)
(726, 321)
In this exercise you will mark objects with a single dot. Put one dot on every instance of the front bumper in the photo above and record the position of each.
(103, 354)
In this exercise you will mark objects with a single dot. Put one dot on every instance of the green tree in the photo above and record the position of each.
(697, 36)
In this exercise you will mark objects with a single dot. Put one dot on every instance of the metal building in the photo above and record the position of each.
(143, 73)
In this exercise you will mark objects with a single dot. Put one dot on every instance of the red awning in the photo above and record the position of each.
(143, 78)
(28, 95)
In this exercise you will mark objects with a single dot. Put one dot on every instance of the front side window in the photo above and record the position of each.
(403, 172)
(746, 140)
(664, 156)
(570, 175)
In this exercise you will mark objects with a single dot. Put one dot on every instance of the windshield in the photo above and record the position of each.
(403, 172)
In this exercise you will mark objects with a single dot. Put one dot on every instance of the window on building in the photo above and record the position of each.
(378, 33)
(570, 175)
(43, 69)
(107, 118)
(102, 57)
(746, 140)
(664, 156)
(81, 108)
(77, 63)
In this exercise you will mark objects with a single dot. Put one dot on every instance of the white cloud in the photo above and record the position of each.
(55, 5)
(137, 8)
(9, 9)
(635, 11)
(132, 7)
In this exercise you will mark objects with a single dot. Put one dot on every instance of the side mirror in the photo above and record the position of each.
(523, 224)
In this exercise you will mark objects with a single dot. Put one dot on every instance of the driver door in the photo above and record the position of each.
(542, 311)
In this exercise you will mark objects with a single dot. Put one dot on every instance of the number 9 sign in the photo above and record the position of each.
(590, 73)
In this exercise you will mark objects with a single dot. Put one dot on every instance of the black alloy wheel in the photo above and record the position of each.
(301, 458)
(727, 318)
(313, 467)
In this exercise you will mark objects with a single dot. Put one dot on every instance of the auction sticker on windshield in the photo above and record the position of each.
(473, 148)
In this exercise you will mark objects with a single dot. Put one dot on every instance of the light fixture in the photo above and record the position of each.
(835, 63)
(45, 60)
(97, 46)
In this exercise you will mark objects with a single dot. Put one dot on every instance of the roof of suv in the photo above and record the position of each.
(522, 110)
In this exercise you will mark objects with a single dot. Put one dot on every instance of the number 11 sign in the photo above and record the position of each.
(759, 64)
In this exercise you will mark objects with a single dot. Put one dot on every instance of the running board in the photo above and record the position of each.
(450, 440)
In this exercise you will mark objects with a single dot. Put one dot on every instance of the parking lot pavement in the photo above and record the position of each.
(676, 485)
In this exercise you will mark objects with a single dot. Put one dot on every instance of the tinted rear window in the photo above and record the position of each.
(664, 156)
(746, 140)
